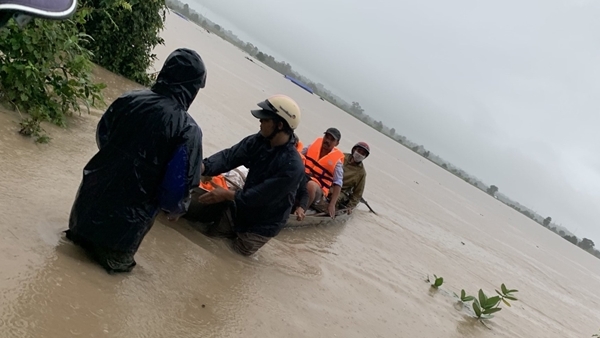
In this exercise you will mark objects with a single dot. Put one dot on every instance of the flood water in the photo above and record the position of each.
(364, 278)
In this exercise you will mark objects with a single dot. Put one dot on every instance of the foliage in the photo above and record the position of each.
(571, 239)
(586, 244)
(125, 33)
(492, 190)
(547, 221)
(464, 298)
(437, 281)
(46, 72)
(483, 305)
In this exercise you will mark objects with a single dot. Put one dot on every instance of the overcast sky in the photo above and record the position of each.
(506, 90)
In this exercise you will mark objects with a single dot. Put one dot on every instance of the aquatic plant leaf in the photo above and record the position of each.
(504, 289)
(491, 302)
(476, 308)
(505, 302)
(492, 310)
(439, 281)
(482, 297)
(510, 297)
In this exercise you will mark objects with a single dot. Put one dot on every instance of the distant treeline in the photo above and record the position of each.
(358, 112)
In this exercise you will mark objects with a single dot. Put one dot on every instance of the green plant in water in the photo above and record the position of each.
(506, 294)
(437, 281)
(485, 306)
(464, 298)
(597, 335)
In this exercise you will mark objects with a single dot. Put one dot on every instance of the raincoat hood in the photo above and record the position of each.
(181, 77)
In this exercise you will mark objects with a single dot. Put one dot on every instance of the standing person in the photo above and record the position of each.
(149, 149)
(255, 214)
(355, 177)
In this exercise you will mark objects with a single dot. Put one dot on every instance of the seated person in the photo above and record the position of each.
(256, 213)
(355, 177)
(324, 167)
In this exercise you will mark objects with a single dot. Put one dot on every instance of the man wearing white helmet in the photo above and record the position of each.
(255, 214)
(355, 176)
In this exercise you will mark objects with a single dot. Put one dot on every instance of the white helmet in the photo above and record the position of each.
(282, 106)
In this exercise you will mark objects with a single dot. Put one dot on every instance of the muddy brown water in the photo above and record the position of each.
(364, 278)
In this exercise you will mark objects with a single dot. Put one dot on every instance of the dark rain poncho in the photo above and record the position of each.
(149, 157)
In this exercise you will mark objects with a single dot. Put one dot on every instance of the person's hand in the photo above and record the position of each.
(299, 214)
(331, 210)
(217, 195)
(349, 211)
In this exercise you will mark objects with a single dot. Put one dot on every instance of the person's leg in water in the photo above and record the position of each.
(218, 219)
(247, 243)
(111, 260)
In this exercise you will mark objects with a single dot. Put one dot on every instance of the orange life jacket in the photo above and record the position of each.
(300, 147)
(321, 169)
(217, 180)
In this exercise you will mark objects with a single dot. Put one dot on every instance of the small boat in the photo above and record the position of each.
(314, 218)
(235, 180)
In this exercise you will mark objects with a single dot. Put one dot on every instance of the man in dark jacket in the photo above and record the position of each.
(257, 213)
(148, 159)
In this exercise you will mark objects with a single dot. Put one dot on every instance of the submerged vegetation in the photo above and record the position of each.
(483, 305)
(437, 281)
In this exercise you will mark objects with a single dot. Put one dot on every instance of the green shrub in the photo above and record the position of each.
(46, 72)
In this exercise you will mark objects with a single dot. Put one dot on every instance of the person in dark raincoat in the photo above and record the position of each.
(255, 214)
(149, 157)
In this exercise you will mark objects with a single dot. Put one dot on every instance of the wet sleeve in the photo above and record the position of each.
(302, 194)
(272, 189)
(107, 123)
(183, 171)
(228, 159)
(193, 145)
(338, 174)
(357, 192)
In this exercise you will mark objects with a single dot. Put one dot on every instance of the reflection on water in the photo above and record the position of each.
(362, 278)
